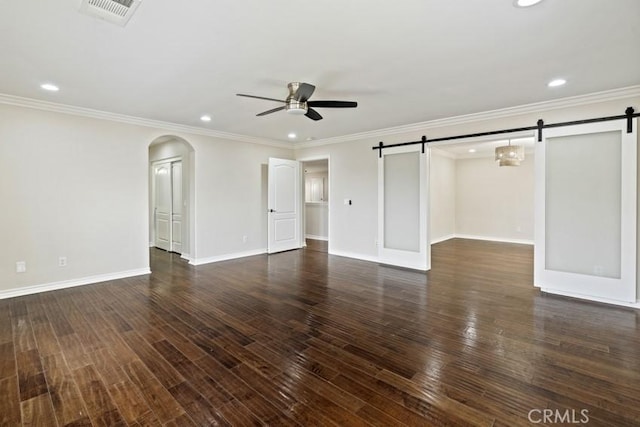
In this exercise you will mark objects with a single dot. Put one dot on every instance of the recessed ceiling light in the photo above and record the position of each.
(205, 118)
(50, 87)
(292, 135)
(525, 3)
(556, 82)
(472, 150)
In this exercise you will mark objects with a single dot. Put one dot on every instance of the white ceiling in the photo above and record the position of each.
(404, 62)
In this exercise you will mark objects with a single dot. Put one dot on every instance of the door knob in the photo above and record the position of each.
(272, 210)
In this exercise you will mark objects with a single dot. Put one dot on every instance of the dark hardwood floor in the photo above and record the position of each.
(317, 245)
(303, 338)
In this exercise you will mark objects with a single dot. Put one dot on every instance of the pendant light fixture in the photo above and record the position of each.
(510, 155)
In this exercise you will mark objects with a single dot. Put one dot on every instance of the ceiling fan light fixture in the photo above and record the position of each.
(525, 3)
(296, 108)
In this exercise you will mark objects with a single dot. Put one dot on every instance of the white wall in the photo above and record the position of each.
(231, 199)
(73, 187)
(78, 187)
(353, 175)
(316, 213)
(493, 202)
(443, 196)
(316, 220)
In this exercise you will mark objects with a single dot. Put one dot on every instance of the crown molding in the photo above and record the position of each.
(573, 101)
(122, 118)
(443, 153)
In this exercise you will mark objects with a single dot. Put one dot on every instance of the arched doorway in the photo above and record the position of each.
(172, 195)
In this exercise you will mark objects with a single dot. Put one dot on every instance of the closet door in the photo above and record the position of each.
(162, 208)
(403, 196)
(585, 239)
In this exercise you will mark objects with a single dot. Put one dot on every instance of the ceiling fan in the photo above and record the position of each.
(298, 102)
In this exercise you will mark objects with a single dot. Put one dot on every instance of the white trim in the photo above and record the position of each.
(122, 118)
(28, 290)
(369, 258)
(494, 239)
(443, 238)
(573, 101)
(186, 256)
(314, 237)
(227, 257)
(590, 298)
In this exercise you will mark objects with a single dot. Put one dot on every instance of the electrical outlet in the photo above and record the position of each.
(244, 239)
(21, 267)
(62, 261)
(375, 242)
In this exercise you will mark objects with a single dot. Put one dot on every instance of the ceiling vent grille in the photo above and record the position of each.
(116, 11)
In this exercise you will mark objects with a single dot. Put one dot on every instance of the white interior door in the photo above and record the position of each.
(162, 208)
(168, 205)
(284, 205)
(403, 194)
(176, 207)
(585, 238)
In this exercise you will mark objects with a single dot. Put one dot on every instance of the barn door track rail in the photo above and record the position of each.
(628, 115)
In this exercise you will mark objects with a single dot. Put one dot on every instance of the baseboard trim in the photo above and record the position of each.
(443, 238)
(226, 257)
(494, 239)
(54, 286)
(314, 237)
(590, 298)
(354, 256)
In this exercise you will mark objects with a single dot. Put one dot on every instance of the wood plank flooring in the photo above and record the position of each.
(305, 338)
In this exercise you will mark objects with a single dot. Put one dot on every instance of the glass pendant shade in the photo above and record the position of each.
(510, 155)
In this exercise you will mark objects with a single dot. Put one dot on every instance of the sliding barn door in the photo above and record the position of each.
(402, 208)
(585, 238)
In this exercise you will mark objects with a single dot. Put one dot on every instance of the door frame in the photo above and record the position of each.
(152, 165)
(326, 157)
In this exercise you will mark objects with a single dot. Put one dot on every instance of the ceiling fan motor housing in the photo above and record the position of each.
(294, 106)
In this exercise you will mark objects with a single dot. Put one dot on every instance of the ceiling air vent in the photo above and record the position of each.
(116, 11)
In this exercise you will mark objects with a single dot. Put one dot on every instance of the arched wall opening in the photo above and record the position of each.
(172, 195)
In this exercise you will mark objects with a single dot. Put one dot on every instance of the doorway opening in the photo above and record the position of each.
(171, 196)
(316, 204)
(472, 197)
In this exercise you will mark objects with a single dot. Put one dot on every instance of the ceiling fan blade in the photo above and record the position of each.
(313, 114)
(264, 113)
(332, 104)
(259, 97)
(304, 92)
